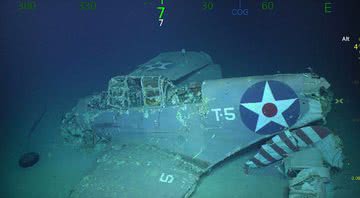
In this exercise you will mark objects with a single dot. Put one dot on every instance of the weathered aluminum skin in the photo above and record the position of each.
(140, 171)
(174, 65)
(194, 130)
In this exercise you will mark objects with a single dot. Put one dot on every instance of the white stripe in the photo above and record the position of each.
(262, 159)
(281, 144)
(290, 137)
(301, 143)
(271, 152)
(250, 164)
(311, 134)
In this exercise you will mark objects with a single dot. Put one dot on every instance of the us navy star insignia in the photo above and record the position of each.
(156, 66)
(269, 109)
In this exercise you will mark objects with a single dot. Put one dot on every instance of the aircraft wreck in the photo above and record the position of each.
(175, 117)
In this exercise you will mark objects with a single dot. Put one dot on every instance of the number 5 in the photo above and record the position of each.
(229, 115)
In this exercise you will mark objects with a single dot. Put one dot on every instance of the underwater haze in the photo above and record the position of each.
(55, 53)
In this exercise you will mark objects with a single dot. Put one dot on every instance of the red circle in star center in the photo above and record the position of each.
(269, 110)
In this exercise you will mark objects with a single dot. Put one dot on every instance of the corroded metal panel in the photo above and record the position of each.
(140, 171)
(173, 65)
(238, 117)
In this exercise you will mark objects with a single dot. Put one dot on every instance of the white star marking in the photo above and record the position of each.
(152, 66)
(268, 97)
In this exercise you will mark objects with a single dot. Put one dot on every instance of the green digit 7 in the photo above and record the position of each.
(162, 11)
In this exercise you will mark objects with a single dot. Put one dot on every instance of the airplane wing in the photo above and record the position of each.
(180, 66)
(140, 171)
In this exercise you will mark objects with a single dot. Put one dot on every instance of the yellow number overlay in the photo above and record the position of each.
(355, 178)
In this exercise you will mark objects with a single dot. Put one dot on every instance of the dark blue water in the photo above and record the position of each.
(57, 53)
(41, 48)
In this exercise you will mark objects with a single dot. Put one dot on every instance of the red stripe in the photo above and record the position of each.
(257, 162)
(321, 131)
(288, 142)
(266, 155)
(277, 149)
(303, 136)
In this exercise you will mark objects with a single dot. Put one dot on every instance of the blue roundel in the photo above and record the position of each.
(269, 106)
